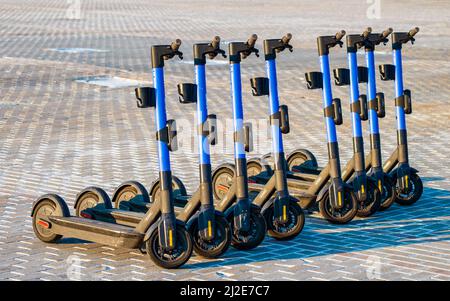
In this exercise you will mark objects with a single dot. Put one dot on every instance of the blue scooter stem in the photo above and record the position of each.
(360, 180)
(337, 187)
(202, 113)
(354, 94)
(161, 118)
(399, 110)
(238, 111)
(372, 91)
(277, 137)
(327, 100)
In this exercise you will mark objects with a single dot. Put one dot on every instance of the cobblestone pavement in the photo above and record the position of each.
(60, 135)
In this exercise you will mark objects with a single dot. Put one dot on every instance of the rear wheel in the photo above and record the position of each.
(342, 215)
(178, 188)
(288, 230)
(89, 198)
(222, 180)
(415, 191)
(372, 202)
(250, 239)
(45, 207)
(174, 258)
(215, 247)
(255, 166)
(301, 157)
(128, 191)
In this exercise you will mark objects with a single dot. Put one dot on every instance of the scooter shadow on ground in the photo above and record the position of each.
(426, 221)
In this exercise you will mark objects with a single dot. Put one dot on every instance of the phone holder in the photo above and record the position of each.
(408, 102)
(363, 74)
(314, 80)
(248, 137)
(212, 128)
(387, 72)
(260, 86)
(146, 97)
(363, 110)
(341, 76)
(187, 93)
(381, 107)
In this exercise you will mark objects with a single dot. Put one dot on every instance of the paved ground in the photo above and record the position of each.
(60, 135)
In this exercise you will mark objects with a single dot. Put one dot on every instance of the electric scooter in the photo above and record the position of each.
(376, 107)
(307, 193)
(166, 239)
(409, 186)
(208, 227)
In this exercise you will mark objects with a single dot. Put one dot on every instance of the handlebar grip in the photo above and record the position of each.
(286, 38)
(215, 42)
(252, 40)
(339, 35)
(175, 45)
(387, 32)
(413, 31)
(367, 32)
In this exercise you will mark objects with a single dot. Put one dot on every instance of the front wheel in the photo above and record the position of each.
(342, 215)
(174, 258)
(372, 202)
(388, 193)
(288, 230)
(415, 191)
(218, 245)
(252, 238)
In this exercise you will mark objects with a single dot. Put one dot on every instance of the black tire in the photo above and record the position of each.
(47, 206)
(175, 258)
(301, 157)
(388, 193)
(222, 179)
(372, 202)
(291, 229)
(415, 194)
(91, 197)
(220, 243)
(178, 188)
(343, 215)
(252, 239)
(128, 190)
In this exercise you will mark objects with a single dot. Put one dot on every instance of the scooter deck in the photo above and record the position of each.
(96, 231)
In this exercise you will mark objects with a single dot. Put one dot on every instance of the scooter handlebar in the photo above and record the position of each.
(252, 40)
(413, 31)
(339, 35)
(215, 43)
(387, 32)
(287, 37)
(367, 32)
(175, 45)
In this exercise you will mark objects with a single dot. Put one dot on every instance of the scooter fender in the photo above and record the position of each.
(105, 201)
(271, 202)
(241, 215)
(393, 173)
(322, 192)
(59, 202)
(155, 225)
(197, 218)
